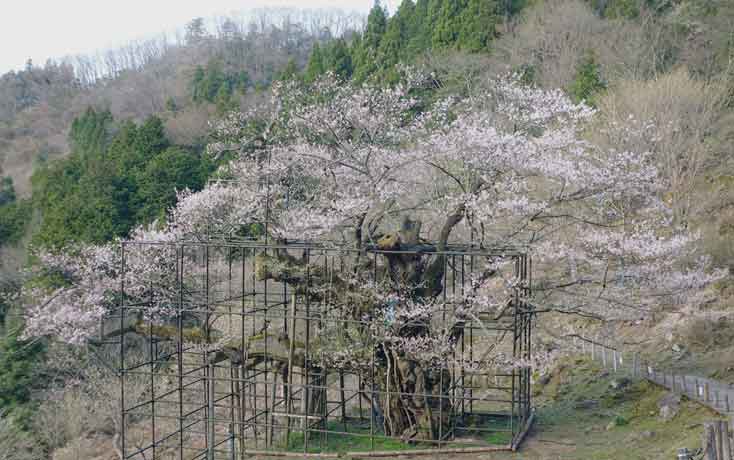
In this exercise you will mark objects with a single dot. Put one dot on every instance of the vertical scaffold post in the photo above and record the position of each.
(210, 420)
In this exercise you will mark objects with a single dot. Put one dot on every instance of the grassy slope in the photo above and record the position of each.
(580, 416)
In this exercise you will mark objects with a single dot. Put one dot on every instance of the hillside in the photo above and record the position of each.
(120, 145)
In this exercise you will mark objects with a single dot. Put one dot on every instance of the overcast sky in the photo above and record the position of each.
(42, 29)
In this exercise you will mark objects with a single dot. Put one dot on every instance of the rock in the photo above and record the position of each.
(587, 404)
(643, 435)
(611, 425)
(678, 348)
(620, 383)
(544, 379)
(669, 406)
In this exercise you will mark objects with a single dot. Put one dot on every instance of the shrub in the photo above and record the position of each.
(588, 82)
(13, 220)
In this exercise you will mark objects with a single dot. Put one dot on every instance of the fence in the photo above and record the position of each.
(716, 395)
(717, 440)
(279, 349)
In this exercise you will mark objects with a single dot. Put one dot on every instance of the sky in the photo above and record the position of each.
(43, 29)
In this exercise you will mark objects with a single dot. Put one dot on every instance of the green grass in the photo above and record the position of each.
(579, 408)
(479, 426)
(358, 438)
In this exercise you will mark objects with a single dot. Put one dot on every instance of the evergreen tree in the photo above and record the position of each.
(151, 138)
(174, 169)
(376, 26)
(100, 192)
(7, 190)
(196, 85)
(289, 72)
(243, 81)
(588, 82)
(315, 65)
(195, 31)
(19, 374)
(339, 59)
(366, 55)
(394, 42)
(478, 25)
(223, 100)
(448, 24)
(419, 28)
(171, 105)
(14, 218)
(88, 133)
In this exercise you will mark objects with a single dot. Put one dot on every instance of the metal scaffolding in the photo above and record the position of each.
(238, 368)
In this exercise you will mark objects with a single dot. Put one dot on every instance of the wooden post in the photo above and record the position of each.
(730, 439)
(210, 432)
(706, 392)
(305, 397)
(726, 404)
(231, 444)
(289, 385)
(593, 347)
(726, 440)
(708, 441)
(614, 356)
(604, 356)
(719, 440)
(635, 363)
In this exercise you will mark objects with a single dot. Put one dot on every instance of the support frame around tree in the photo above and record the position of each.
(221, 394)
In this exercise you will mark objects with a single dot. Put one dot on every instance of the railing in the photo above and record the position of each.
(717, 439)
(716, 395)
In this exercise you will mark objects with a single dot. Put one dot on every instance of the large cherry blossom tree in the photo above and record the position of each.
(386, 167)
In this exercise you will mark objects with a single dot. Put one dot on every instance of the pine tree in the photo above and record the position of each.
(588, 82)
(419, 28)
(339, 59)
(393, 46)
(196, 85)
(448, 24)
(289, 72)
(315, 65)
(223, 99)
(478, 25)
(20, 374)
(365, 57)
(376, 26)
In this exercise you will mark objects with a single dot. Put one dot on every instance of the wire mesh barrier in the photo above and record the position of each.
(716, 395)
(306, 350)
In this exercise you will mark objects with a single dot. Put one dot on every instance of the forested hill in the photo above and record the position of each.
(590, 48)
(94, 146)
(184, 86)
